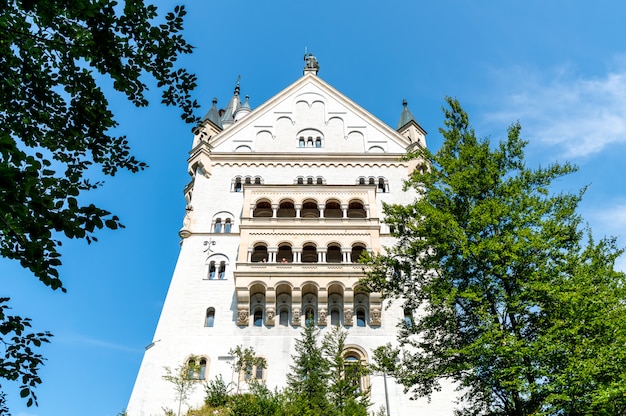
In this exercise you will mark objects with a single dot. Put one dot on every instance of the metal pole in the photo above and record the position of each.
(386, 393)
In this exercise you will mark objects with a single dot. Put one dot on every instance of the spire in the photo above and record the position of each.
(229, 112)
(405, 116)
(213, 115)
(243, 110)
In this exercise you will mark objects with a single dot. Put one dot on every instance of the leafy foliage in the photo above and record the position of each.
(345, 390)
(56, 120)
(18, 361)
(244, 363)
(57, 59)
(307, 381)
(184, 379)
(494, 265)
(321, 382)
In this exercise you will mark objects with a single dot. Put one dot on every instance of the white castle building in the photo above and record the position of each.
(282, 202)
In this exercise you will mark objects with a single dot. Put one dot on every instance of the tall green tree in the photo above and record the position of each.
(307, 382)
(346, 391)
(494, 266)
(56, 59)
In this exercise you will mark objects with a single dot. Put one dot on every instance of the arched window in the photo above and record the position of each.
(257, 181)
(262, 209)
(382, 186)
(300, 181)
(353, 371)
(356, 210)
(259, 254)
(361, 181)
(357, 250)
(222, 271)
(237, 186)
(248, 181)
(309, 254)
(283, 319)
(258, 317)
(371, 181)
(333, 254)
(320, 180)
(227, 226)
(309, 181)
(309, 315)
(333, 210)
(284, 255)
(309, 142)
(318, 142)
(301, 142)
(218, 225)
(202, 369)
(192, 373)
(408, 318)
(309, 210)
(209, 320)
(286, 209)
(216, 267)
(334, 316)
(360, 317)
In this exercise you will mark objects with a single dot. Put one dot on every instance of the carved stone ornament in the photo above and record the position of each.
(322, 317)
(375, 317)
(242, 317)
(271, 314)
(347, 315)
(296, 316)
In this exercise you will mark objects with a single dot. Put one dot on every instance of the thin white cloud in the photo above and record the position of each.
(94, 342)
(579, 115)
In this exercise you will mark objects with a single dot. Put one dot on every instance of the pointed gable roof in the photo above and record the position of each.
(310, 89)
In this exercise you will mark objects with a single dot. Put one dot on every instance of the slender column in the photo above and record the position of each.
(298, 208)
(272, 251)
(345, 252)
(348, 307)
(250, 250)
(322, 306)
(321, 255)
(270, 306)
(296, 306)
(274, 210)
(344, 209)
(297, 254)
(321, 208)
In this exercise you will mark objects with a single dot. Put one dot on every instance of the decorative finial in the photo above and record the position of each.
(404, 103)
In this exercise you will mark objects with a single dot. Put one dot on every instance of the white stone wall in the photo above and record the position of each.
(270, 135)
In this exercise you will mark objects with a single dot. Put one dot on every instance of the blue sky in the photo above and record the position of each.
(559, 67)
